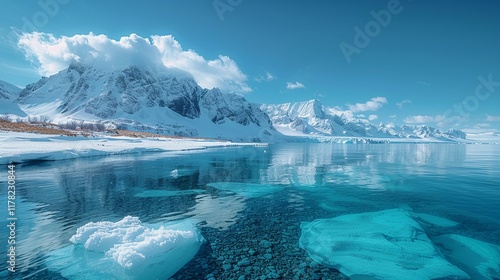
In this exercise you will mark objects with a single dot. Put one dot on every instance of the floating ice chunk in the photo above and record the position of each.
(174, 173)
(167, 193)
(479, 259)
(127, 249)
(387, 244)
(180, 172)
(245, 189)
(102, 236)
(435, 220)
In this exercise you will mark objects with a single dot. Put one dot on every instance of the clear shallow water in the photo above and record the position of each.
(308, 182)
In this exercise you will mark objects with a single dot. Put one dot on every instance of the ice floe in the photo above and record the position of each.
(387, 244)
(246, 189)
(481, 260)
(127, 249)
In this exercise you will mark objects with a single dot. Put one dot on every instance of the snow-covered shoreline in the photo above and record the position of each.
(24, 147)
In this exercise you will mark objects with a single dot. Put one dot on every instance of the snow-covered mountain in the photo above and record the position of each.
(419, 131)
(8, 94)
(169, 102)
(311, 118)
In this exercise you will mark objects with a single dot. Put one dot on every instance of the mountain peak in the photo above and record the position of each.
(76, 66)
(311, 118)
(307, 109)
(144, 99)
(314, 101)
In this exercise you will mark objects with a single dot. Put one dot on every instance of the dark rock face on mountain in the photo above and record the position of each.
(164, 102)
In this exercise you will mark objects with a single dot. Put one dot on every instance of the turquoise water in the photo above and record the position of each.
(240, 197)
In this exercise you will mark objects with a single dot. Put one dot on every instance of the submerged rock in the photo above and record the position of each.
(265, 244)
(387, 244)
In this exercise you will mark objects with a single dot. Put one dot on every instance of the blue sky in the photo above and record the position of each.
(424, 65)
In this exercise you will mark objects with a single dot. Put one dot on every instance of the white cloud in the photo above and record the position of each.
(267, 77)
(402, 103)
(372, 117)
(482, 125)
(478, 130)
(490, 118)
(52, 54)
(372, 105)
(455, 121)
(392, 116)
(296, 85)
(423, 119)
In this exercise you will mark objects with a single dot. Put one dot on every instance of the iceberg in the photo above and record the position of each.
(388, 244)
(127, 249)
(481, 260)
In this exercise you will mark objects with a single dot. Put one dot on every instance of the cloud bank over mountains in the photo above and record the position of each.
(51, 54)
(372, 105)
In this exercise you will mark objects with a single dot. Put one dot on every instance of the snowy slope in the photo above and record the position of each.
(24, 147)
(8, 93)
(311, 118)
(163, 102)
